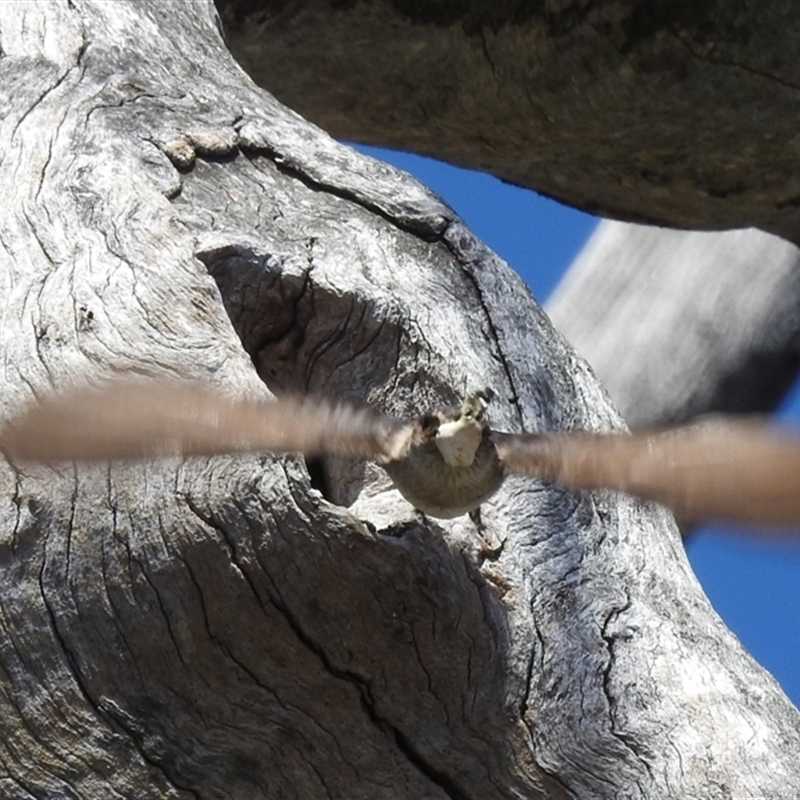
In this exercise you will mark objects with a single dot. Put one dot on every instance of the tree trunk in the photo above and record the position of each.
(231, 628)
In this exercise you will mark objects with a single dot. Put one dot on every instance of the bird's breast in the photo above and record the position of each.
(436, 488)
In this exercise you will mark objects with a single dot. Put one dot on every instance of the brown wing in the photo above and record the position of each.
(739, 470)
(129, 420)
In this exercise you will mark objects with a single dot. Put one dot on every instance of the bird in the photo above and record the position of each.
(445, 462)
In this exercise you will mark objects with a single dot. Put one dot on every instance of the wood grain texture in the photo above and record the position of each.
(612, 107)
(223, 628)
(615, 108)
(679, 324)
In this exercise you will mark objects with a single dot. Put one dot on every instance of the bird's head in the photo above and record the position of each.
(474, 408)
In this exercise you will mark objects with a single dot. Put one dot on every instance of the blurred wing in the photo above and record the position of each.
(738, 470)
(131, 420)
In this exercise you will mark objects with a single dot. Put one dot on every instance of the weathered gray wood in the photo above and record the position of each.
(680, 114)
(675, 113)
(678, 324)
(217, 628)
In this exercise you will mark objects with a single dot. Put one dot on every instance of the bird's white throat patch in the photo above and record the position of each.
(458, 441)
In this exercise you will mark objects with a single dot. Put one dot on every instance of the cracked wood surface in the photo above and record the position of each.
(679, 114)
(221, 628)
(678, 324)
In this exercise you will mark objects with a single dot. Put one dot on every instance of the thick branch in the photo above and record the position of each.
(680, 324)
(680, 114)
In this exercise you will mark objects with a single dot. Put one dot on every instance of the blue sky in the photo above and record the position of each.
(752, 581)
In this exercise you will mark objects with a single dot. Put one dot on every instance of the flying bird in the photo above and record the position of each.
(445, 462)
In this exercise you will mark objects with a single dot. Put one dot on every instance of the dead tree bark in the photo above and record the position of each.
(680, 114)
(229, 628)
(679, 324)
